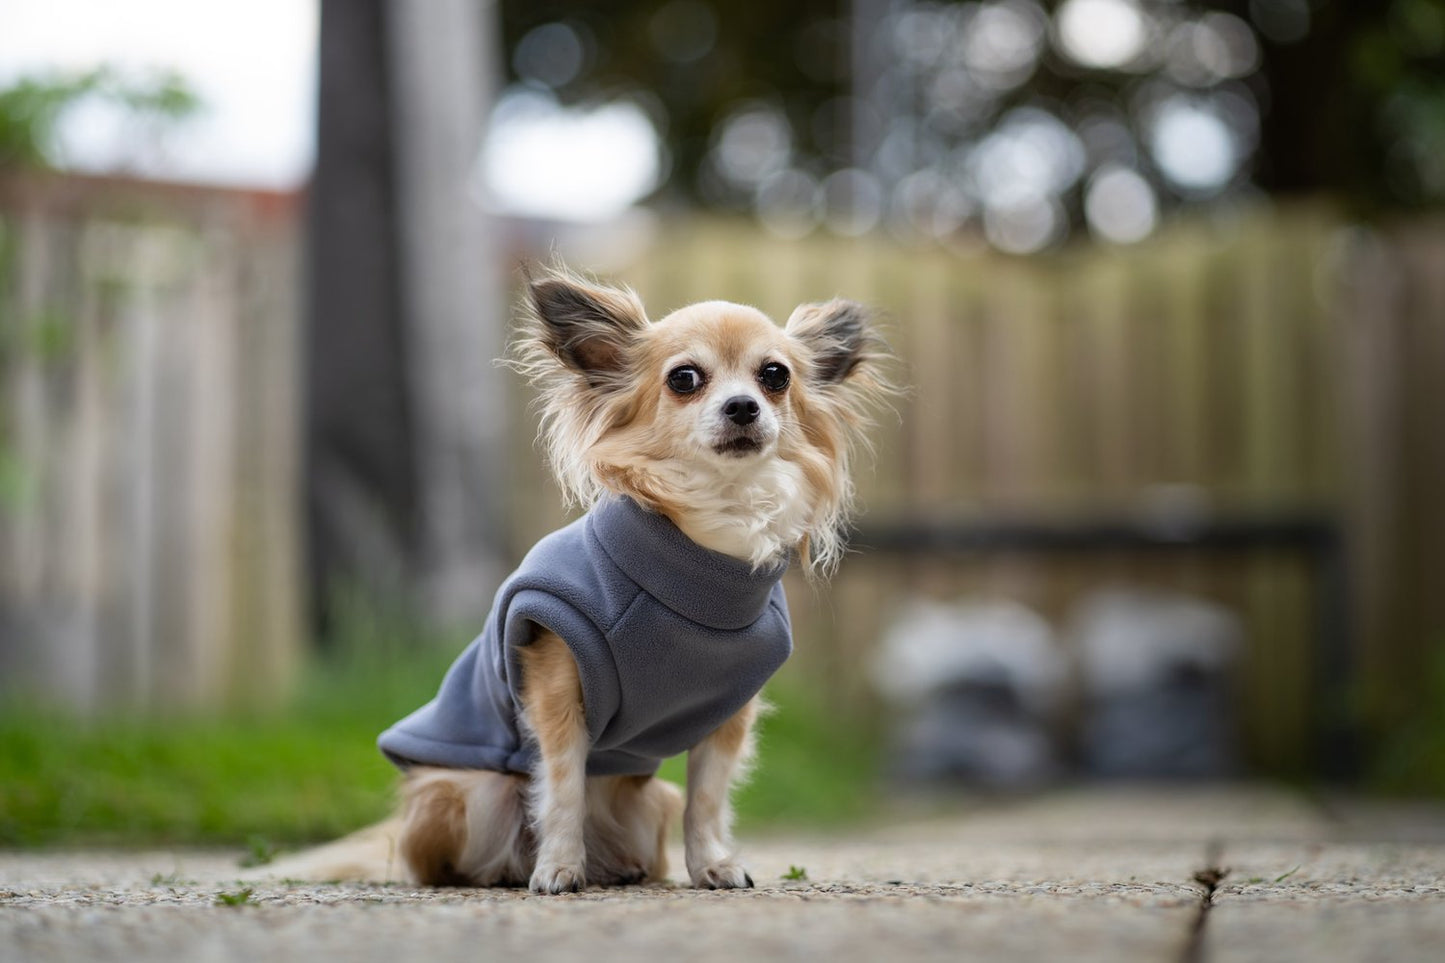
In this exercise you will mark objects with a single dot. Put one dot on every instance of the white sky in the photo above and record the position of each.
(252, 63)
(543, 160)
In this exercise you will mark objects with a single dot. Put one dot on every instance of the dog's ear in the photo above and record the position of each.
(837, 335)
(589, 327)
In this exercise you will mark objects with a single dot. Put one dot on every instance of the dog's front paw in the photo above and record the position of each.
(552, 879)
(722, 875)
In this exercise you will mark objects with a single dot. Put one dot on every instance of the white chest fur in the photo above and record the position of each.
(752, 512)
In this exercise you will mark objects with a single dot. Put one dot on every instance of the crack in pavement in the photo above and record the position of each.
(1209, 877)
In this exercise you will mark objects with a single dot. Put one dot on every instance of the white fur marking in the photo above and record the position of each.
(707, 820)
(736, 506)
(559, 807)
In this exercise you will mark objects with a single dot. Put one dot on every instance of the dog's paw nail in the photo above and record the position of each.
(552, 880)
(723, 876)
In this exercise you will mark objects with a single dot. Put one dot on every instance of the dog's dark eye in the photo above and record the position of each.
(684, 379)
(774, 376)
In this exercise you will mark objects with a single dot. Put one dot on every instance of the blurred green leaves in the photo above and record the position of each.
(32, 108)
(1411, 755)
(1399, 60)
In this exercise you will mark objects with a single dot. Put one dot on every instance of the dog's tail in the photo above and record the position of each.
(367, 855)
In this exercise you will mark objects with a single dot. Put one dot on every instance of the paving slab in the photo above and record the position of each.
(696, 927)
(1099, 873)
(1327, 900)
(1000, 904)
(1366, 929)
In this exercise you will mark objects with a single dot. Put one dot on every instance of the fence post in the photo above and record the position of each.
(453, 300)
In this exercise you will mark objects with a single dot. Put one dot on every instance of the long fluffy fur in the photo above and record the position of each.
(576, 410)
(585, 410)
(608, 424)
(851, 381)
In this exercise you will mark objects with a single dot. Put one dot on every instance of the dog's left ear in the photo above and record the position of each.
(837, 335)
(588, 327)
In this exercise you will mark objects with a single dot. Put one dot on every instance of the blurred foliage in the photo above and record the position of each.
(1398, 58)
(1347, 97)
(312, 772)
(1410, 758)
(816, 766)
(793, 52)
(32, 108)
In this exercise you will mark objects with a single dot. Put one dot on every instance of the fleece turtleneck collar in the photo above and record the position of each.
(707, 587)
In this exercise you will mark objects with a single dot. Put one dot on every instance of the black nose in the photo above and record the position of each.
(741, 410)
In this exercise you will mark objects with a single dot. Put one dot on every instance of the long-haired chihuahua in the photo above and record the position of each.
(709, 448)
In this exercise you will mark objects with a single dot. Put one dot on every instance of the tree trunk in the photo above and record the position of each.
(405, 411)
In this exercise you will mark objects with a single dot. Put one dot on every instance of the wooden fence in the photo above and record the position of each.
(148, 471)
(148, 421)
(1284, 363)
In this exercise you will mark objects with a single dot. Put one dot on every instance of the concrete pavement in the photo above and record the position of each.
(1118, 874)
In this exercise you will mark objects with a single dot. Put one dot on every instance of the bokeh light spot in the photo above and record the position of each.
(1103, 34)
(1120, 206)
(1002, 42)
(552, 55)
(752, 143)
(1024, 227)
(1194, 146)
(788, 203)
(852, 202)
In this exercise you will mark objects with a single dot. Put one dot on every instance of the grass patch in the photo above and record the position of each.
(1410, 757)
(279, 779)
(240, 897)
(266, 783)
(813, 768)
(259, 852)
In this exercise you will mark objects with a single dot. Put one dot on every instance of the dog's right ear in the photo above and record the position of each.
(589, 327)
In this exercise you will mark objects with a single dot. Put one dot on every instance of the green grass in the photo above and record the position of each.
(813, 768)
(240, 897)
(268, 782)
(1410, 756)
(308, 773)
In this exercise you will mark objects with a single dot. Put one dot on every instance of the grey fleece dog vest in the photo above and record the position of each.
(671, 639)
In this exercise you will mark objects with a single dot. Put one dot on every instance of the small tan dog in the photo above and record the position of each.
(710, 448)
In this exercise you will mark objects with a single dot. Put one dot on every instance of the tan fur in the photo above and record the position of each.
(733, 742)
(628, 821)
(756, 490)
(713, 767)
(367, 854)
(615, 429)
(489, 839)
(733, 736)
(434, 831)
(552, 692)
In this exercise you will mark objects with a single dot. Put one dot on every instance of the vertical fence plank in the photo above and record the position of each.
(932, 428)
(1422, 400)
(1186, 352)
(1103, 334)
(128, 385)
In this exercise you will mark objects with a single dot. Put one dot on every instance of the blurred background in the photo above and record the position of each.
(1168, 278)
